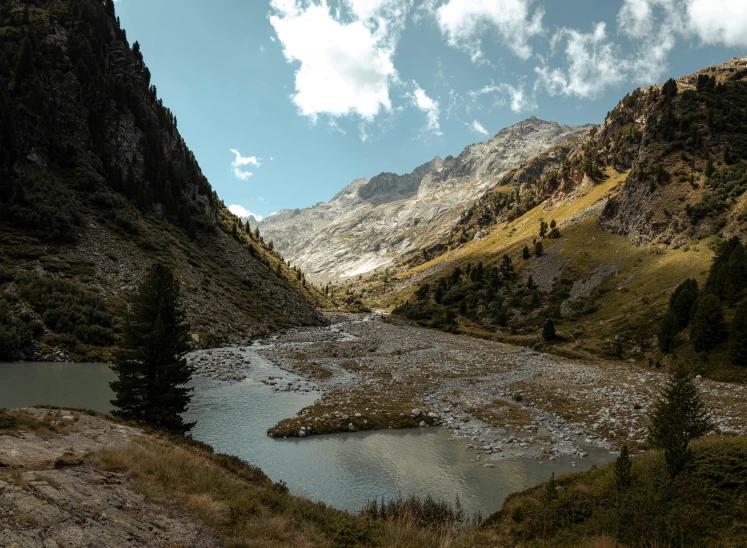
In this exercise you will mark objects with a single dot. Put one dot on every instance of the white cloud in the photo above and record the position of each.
(431, 109)
(345, 58)
(477, 127)
(464, 23)
(592, 64)
(362, 132)
(514, 96)
(240, 162)
(241, 211)
(712, 22)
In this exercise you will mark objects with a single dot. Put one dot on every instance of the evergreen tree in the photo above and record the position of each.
(553, 224)
(525, 253)
(110, 8)
(738, 336)
(548, 331)
(507, 267)
(667, 332)
(151, 368)
(543, 229)
(669, 89)
(682, 301)
(678, 417)
(623, 469)
(707, 329)
(554, 233)
(25, 64)
(736, 274)
(538, 249)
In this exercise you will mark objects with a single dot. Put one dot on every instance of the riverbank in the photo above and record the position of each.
(504, 401)
(70, 478)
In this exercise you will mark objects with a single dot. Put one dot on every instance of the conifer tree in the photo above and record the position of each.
(678, 417)
(543, 229)
(151, 368)
(538, 249)
(525, 253)
(682, 301)
(507, 267)
(25, 64)
(707, 329)
(667, 332)
(548, 331)
(738, 336)
(623, 469)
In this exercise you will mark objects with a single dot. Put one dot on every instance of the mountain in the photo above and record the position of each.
(379, 221)
(97, 184)
(596, 234)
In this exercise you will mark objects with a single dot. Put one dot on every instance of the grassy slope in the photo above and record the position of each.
(629, 301)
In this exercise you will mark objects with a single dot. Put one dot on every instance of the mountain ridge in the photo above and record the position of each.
(373, 222)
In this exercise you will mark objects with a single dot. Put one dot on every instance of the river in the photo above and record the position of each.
(343, 470)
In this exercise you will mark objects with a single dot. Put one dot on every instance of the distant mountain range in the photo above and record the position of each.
(379, 221)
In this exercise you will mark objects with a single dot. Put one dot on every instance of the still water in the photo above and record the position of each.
(343, 470)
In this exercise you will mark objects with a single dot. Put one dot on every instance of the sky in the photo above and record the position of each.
(285, 102)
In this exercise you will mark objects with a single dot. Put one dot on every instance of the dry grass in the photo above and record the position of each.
(245, 508)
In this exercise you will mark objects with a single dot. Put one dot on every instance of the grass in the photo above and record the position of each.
(240, 504)
(15, 421)
(704, 506)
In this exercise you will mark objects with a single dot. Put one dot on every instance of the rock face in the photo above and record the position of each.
(378, 221)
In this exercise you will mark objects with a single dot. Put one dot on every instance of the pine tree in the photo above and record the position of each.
(553, 224)
(738, 336)
(681, 302)
(667, 332)
(525, 253)
(623, 470)
(507, 267)
(548, 331)
(678, 417)
(543, 229)
(109, 8)
(25, 64)
(151, 368)
(538, 249)
(707, 328)
(669, 89)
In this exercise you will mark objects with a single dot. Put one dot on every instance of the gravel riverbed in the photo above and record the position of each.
(502, 400)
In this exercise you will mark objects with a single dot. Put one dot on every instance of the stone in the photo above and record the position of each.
(416, 412)
(351, 427)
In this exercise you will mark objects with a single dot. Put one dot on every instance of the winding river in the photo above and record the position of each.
(343, 470)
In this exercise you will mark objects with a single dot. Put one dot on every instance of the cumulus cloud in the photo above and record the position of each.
(431, 109)
(239, 164)
(465, 23)
(477, 127)
(344, 57)
(241, 211)
(655, 26)
(592, 63)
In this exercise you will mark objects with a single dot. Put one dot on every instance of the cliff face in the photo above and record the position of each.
(97, 184)
(379, 221)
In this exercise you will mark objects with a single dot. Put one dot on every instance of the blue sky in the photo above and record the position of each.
(285, 102)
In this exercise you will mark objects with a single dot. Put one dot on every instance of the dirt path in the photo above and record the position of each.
(505, 400)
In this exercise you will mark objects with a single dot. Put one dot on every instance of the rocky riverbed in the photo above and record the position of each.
(503, 400)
